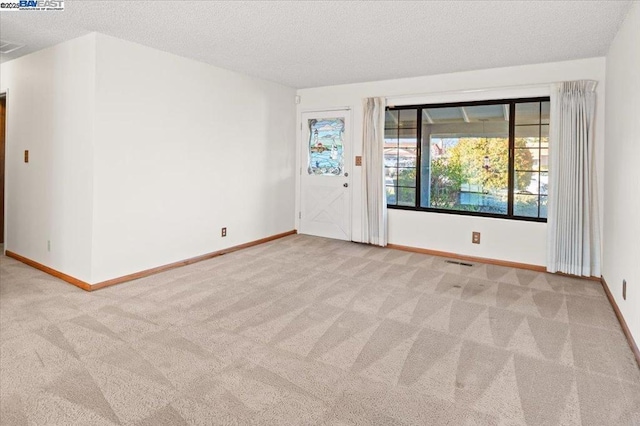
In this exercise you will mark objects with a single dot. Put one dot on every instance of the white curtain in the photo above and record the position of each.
(573, 243)
(374, 199)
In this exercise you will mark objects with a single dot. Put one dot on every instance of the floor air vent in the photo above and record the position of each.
(455, 262)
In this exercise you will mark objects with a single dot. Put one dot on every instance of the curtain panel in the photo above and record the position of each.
(573, 243)
(374, 200)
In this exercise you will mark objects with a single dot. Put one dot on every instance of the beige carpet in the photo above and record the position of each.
(308, 331)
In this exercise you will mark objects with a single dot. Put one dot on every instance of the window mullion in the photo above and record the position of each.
(539, 156)
(418, 165)
(512, 157)
(397, 184)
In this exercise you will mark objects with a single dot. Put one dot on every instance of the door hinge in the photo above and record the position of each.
(299, 215)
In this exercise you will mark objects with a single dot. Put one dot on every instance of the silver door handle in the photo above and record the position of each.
(346, 185)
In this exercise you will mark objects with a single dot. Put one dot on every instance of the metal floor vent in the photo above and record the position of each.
(455, 262)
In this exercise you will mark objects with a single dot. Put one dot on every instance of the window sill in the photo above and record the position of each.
(465, 213)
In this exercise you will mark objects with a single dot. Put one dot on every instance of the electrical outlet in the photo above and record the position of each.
(475, 237)
(48, 245)
(224, 231)
(624, 289)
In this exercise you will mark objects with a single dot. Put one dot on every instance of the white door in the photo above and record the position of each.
(325, 185)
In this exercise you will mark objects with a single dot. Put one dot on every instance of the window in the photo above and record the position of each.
(486, 158)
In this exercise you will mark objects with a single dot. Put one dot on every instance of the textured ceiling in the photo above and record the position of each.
(318, 43)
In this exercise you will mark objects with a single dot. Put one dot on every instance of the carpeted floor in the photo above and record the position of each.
(308, 331)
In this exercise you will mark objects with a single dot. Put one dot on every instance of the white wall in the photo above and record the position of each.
(50, 103)
(510, 240)
(622, 177)
(139, 157)
(182, 149)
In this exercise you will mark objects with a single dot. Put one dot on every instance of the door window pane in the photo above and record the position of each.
(326, 138)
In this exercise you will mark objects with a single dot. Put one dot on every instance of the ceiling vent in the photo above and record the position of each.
(7, 46)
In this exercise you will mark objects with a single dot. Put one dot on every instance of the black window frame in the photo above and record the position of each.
(512, 102)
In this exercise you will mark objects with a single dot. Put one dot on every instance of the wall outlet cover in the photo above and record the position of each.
(475, 237)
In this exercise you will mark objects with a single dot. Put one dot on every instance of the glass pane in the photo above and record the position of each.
(391, 120)
(391, 157)
(407, 157)
(525, 182)
(544, 159)
(408, 118)
(528, 113)
(390, 176)
(544, 183)
(407, 177)
(527, 143)
(543, 206)
(528, 131)
(485, 113)
(444, 115)
(394, 157)
(406, 196)
(483, 202)
(408, 137)
(525, 205)
(544, 132)
(467, 173)
(544, 118)
(527, 159)
(391, 195)
(391, 134)
(442, 176)
(326, 146)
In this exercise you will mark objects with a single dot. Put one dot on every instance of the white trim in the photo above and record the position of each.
(5, 92)
(483, 94)
(328, 109)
